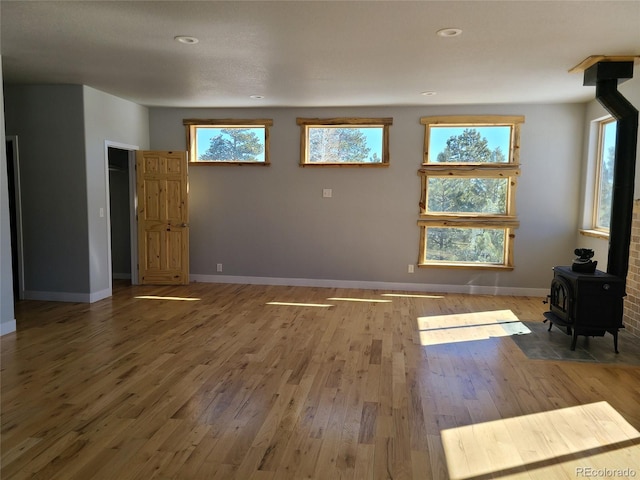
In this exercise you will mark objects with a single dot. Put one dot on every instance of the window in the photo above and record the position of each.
(468, 185)
(605, 158)
(344, 142)
(228, 141)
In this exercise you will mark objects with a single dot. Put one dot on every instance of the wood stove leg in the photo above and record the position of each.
(615, 341)
(574, 340)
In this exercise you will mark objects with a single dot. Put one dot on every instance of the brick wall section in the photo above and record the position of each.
(632, 300)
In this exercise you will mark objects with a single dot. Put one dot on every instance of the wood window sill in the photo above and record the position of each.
(595, 234)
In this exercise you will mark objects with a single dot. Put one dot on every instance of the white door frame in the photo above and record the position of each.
(133, 204)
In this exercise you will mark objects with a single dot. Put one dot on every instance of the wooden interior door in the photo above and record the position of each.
(163, 218)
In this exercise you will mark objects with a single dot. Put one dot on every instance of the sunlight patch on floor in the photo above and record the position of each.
(293, 304)
(367, 300)
(467, 327)
(410, 295)
(155, 297)
(585, 441)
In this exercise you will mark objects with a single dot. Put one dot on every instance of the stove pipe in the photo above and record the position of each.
(606, 76)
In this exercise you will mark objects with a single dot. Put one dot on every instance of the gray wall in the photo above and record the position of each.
(48, 121)
(62, 132)
(273, 222)
(7, 319)
(107, 118)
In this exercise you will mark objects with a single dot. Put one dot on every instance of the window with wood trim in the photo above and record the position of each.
(468, 191)
(605, 159)
(344, 142)
(228, 141)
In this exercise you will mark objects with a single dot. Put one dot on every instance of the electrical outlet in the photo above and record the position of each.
(326, 193)
(218, 267)
(410, 270)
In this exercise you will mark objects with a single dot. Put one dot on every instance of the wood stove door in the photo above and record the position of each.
(561, 301)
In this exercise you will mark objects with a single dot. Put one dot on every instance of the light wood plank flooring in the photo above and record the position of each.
(215, 381)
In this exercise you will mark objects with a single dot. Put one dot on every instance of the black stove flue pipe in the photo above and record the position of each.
(606, 76)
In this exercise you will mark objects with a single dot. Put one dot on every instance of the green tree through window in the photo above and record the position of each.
(467, 195)
(606, 160)
(228, 141)
(336, 145)
(470, 147)
(467, 203)
(234, 144)
(465, 245)
(344, 142)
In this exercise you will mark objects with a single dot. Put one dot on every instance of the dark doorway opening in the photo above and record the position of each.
(13, 214)
(119, 209)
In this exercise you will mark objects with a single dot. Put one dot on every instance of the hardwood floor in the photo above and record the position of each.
(213, 381)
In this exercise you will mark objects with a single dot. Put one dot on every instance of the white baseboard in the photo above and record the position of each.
(67, 296)
(7, 327)
(102, 294)
(369, 285)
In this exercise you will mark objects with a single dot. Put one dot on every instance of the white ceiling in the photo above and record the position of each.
(316, 53)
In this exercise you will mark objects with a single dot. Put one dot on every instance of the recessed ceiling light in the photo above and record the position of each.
(256, 97)
(187, 40)
(449, 32)
(428, 93)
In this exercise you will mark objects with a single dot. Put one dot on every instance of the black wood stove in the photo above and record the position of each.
(586, 304)
(591, 302)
